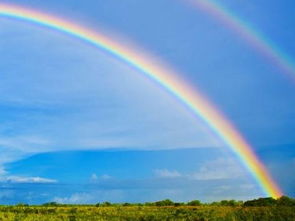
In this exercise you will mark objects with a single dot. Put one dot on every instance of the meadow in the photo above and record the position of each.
(266, 209)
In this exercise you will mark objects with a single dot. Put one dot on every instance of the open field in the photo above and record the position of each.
(196, 213)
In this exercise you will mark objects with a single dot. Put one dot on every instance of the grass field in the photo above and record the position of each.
(197, 213)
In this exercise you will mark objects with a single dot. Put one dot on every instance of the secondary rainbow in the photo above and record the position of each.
(164, 76)
(256, 39)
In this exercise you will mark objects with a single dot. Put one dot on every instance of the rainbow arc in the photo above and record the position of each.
(245, 31)
(166, 78)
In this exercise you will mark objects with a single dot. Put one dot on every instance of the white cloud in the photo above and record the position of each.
(27, 143)
(92, 197)
(10, 154)
(105, 177)
(74, 198)
(2, 171)
(164, 173)
(218, 169)
(14, 148)
(95, 177)
(23, 179)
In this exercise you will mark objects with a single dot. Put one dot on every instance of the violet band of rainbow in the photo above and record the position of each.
(167, 79)
(259, 42)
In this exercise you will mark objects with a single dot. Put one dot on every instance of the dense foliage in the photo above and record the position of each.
(263, 209)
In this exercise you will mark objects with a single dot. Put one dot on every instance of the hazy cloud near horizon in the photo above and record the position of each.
(132, 176)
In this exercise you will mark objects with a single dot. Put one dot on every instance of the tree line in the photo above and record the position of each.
(267, 201)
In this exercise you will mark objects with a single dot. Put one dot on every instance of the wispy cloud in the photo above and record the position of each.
(92, 104)
(221, 168)
(164, 173)
(23, 179)
(95, 178)
(2, 171)
(26, 143)
(93, 196)
(75, 198)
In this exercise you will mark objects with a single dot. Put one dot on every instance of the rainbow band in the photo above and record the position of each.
(164, 77)
(259, 42)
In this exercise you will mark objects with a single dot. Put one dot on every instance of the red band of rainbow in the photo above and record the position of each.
(165, 77)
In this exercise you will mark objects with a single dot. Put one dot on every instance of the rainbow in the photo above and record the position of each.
(256, 39)
(164, 76)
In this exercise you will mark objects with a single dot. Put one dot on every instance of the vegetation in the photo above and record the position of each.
(263, 209)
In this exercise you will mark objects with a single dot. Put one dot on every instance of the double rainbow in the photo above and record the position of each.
(256, 39)
(165, 77)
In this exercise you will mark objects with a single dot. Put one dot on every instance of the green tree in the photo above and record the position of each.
(285, 201)
(166, 202)
(194, 203)
(268, 201)
(51, 204)
(106, 204)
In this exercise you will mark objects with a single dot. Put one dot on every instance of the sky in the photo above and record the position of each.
(78, 125)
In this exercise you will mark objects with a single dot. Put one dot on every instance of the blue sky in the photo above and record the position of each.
(61, 98)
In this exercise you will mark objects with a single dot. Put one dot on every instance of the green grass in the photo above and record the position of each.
(141, 213)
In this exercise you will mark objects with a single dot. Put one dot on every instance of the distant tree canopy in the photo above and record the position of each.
(227, 203)
(269, 201)
(285, 201)
(22, 204)
(260, 202)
